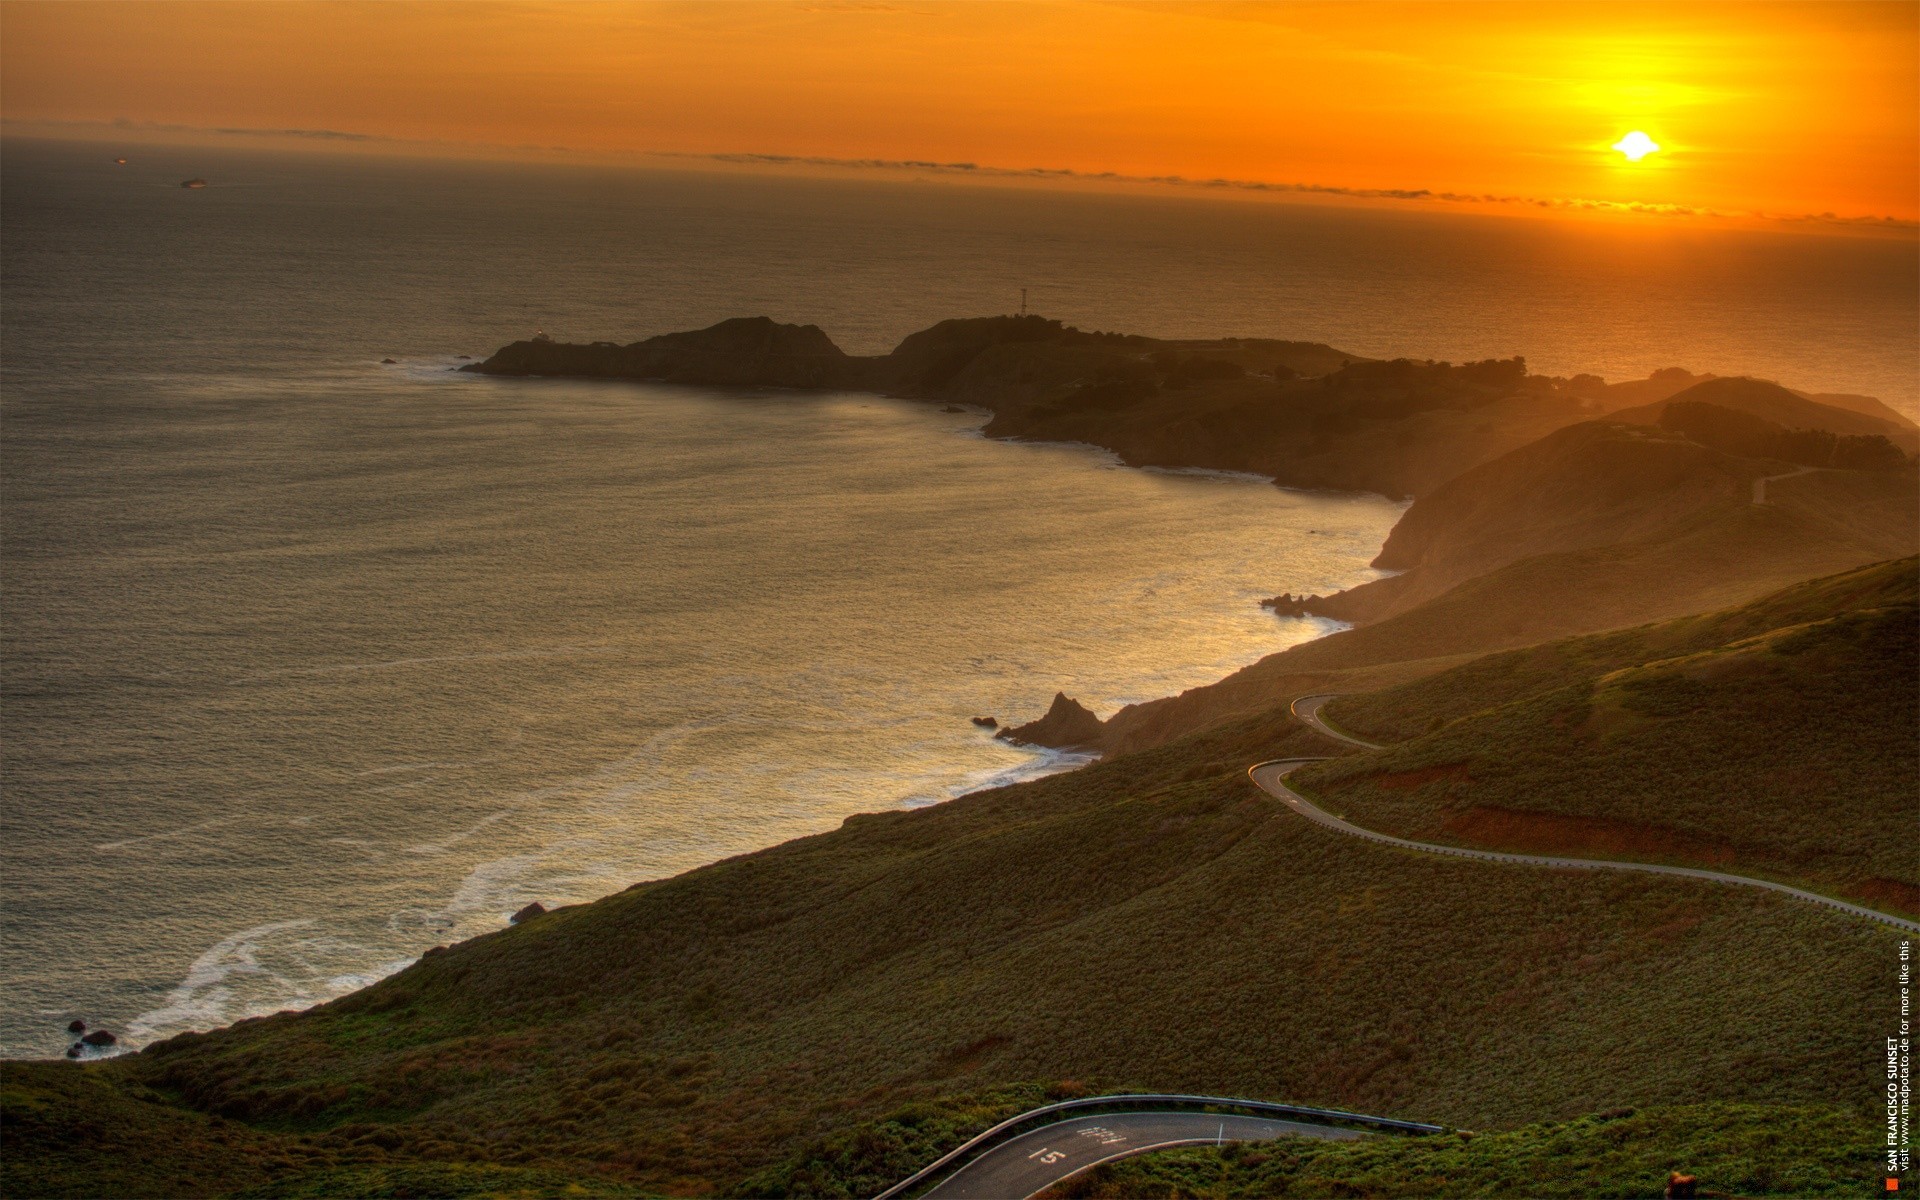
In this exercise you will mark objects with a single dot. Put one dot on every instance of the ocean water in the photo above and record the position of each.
(312, 662)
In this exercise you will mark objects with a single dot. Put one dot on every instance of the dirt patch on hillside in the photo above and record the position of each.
(1583, 837)
(1407, 781)
(1890, 895)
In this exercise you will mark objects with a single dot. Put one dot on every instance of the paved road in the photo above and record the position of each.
(1307, 708)
(1034, 1162)
(1760, 485)
(1271, 778)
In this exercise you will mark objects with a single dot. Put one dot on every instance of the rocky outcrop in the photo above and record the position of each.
(987, 722)
(99, 1037)
(744, 351)
(1068, 725)
(536, 909)
(1286, 604)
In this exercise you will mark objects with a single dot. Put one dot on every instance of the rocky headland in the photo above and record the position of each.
(1543, 506)
(1307, 414)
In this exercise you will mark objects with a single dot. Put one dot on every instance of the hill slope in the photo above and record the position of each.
(1723, 552)
(1153, 921)
(1781, 406)
(1775, 739)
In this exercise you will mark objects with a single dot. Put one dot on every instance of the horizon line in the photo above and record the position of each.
(1571, 206)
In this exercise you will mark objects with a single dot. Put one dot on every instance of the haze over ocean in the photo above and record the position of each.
(313, 662)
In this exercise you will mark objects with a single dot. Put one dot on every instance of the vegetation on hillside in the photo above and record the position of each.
(1779, 408)
(1154, 921)
(1776, 739)
(1736, 432)
(1731, 1149)
(1825, 522)
(1399, 713)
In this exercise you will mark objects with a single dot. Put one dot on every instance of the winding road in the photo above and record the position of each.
(1760, 484)
(1027, 1163)
(1270, 777)
(1029, 1152)
(1034, 1162)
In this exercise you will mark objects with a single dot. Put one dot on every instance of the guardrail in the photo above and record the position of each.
(980, 1141)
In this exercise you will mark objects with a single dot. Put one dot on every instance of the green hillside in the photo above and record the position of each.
(1725, 555)
(1149, 922)
(1776, 738)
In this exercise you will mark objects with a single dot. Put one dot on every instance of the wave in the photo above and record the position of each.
(1044, 762)
(1210, 473)
(200, 1001)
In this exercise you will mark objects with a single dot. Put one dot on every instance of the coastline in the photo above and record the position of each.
(1041, 761)
(192, 997)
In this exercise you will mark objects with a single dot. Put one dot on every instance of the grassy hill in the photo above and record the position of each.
(1773, 739)
(1719, 555)
(1152, 922)
(1779, 406)
(1602, 484)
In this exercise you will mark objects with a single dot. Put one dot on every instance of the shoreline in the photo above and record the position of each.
(234, 952)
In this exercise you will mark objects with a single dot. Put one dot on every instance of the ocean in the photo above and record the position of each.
(312, 662)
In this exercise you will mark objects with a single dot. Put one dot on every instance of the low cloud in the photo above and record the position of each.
(985, 171)
(1551, 203)
(128, 125)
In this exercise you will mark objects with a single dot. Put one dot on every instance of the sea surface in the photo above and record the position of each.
(311, 661)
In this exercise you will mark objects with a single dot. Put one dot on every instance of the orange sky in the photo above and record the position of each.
(1775, 107)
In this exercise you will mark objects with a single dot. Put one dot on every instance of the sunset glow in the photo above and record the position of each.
(1636, 146)
(1790, 109)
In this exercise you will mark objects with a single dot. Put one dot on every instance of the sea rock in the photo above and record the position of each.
(536, 909)
(1068, 724)
(73, 1051)
(387, 361)
(100, 1037)
(1286, 604)
(987, 722)
(76, 1026)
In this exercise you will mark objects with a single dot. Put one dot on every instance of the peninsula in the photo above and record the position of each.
(1307, 414)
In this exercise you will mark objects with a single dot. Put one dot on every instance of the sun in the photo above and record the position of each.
(1636, 146)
